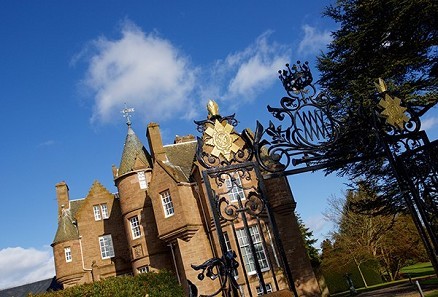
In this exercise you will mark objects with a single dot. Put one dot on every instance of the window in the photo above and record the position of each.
(106, 246)
(246, 249)
(104, 209)
(167, 203)
(142, 180)
(260, 290)
(227, 241)
(100, 211)
(235, 188)
(143, 269)
(135, 227)
(67, 253)
(97, 216)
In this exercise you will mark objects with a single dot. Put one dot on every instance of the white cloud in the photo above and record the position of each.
(144, 70)
(19, 266)
(46, 143)
(313, 41)
(429, 123)
(254, 69)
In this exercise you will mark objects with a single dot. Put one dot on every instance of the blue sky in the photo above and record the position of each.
(68, 67)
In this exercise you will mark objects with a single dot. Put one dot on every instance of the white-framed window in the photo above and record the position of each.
(246, 249)
(96, 210)
(100, 211)
(104, 209)
(166, 200)
(142, 180)
(106, 246)
(235, 188)
(143, 269)
(260, 289)
(135, 227)
(67, 253)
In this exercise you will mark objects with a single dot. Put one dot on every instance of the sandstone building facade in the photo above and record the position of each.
(161, 219)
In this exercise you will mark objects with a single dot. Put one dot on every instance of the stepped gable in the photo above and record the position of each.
(66, 228)
(96, 189)
(180, 158)
(134, 155)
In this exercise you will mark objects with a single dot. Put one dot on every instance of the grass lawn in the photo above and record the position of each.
(417, 270)
(433, 294)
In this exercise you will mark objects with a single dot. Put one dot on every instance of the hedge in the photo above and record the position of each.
(161, 284)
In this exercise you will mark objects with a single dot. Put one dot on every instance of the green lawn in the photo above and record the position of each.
(418, 270)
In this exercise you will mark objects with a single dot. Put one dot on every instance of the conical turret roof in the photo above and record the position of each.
(134, 155)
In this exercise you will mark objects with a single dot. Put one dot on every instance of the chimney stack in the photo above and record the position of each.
(62, 196)
(155, 142)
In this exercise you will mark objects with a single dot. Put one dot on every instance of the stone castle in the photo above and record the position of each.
(161, 219)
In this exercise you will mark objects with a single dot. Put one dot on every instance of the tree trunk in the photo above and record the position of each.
(360, 271)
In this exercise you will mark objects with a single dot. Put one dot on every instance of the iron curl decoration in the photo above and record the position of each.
(254, 204)
(306, 124)
(219, 268)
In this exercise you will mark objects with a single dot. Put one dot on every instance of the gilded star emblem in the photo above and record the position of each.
(222, 139)
(394, 112)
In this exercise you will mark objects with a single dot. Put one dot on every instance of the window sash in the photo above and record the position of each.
(235, 189)
(105, 213)
(106, 246)
(135, 227)
(67, 253)
(245, 249)
(166, 200)
(260, 289)
(143, 269)
(96, 211)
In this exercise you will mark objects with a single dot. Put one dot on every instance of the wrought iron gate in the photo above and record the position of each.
(307, 128)
(237, 197)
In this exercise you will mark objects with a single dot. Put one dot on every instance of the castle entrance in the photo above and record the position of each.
(302, 137)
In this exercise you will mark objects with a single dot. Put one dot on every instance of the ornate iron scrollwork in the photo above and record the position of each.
(305, 124)
(222, 268)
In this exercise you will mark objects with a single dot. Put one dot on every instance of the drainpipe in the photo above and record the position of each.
(174, 262)
(82, 258)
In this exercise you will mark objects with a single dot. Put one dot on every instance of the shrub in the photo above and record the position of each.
(161, 284)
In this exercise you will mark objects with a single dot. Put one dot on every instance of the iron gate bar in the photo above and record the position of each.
(277, 237)
(213, 197)
(241, 261)
(269, 258)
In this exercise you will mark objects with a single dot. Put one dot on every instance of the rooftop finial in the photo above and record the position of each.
(127, 114)
(213, 108)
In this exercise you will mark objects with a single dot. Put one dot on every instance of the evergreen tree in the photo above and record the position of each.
(309, 242)
(395, 40)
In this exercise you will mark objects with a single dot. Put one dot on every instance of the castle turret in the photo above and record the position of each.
(132, 180)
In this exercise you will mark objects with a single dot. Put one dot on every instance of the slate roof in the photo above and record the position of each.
(66, 229)
(37, 287)
(133, 151)
(180, 158)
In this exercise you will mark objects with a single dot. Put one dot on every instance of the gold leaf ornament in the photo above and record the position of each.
(222, 139)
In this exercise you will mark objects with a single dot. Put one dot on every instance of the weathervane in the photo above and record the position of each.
(127, 114)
